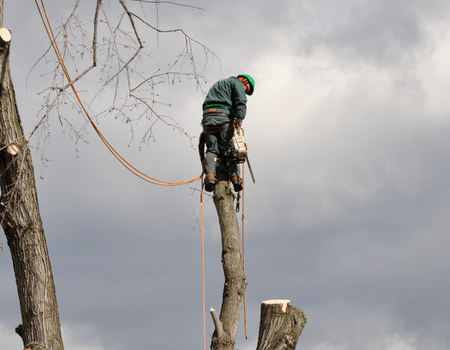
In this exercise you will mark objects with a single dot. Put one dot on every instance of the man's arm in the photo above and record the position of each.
(239, 100)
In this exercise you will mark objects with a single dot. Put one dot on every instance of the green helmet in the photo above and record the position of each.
(251, 80)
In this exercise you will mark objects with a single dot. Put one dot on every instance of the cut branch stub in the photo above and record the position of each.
(12, 149)
(280, 326)
(5, 35)
(218, 324)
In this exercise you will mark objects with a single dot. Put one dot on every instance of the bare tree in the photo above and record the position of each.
(118, 64)
(21, 220)
(122, 76)
(128, 78)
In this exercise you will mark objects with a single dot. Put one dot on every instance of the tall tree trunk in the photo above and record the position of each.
(235, 281)
(281, 323)
(21, 221)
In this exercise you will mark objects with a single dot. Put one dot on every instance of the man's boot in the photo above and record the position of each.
(210, 180)
(236, 181)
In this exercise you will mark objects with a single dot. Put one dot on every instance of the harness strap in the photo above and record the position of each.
(218, 128)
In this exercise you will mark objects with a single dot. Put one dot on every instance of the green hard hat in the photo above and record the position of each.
(251, 80)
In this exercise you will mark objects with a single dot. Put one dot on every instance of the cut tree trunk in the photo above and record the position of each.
(21, 221)
(280, 326)
(281, 323)
(235, 282)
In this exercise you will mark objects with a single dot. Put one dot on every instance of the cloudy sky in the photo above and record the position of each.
(348, 132)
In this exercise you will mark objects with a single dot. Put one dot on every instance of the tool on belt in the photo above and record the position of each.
(240, 149)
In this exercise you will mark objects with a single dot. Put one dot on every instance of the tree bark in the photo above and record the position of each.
(235, 282)
(21, 221)
(280, 325)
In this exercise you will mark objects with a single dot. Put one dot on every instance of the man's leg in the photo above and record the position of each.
(235, 176)
(224, 144)
(210, 161)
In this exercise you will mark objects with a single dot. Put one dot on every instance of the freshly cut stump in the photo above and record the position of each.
(280, 326)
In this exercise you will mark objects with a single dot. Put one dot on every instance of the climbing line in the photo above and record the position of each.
(243, 246)
(203, 268)
(122, 160)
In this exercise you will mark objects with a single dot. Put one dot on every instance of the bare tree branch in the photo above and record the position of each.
(167, 2)
(125, 80)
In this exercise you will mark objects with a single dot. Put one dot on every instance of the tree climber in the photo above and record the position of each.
(224, 109)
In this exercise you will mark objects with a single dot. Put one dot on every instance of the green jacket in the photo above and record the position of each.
(228, 93)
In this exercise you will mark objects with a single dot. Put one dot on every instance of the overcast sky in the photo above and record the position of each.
(348, 132)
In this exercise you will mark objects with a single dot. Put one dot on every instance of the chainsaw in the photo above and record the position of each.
(240, 149)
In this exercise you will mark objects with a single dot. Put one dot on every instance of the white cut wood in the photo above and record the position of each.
(5, 35)
(217, 323)
(280, 326)
(12, 149)
(283, 302)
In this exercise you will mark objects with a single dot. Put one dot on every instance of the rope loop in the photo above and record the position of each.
(122, 160)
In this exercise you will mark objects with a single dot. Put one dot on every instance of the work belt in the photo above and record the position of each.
(214, 111)
(217, 128)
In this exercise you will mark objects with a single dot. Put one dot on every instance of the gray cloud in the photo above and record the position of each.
(387, 34)
(347, 132)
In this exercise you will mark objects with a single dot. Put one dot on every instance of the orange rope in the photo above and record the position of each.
(203, 271)
(119, 157)
(243, 247)
(116, 154)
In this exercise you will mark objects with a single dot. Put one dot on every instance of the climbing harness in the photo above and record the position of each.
(220, 128)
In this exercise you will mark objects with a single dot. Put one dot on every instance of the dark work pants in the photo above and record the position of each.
(218, 144)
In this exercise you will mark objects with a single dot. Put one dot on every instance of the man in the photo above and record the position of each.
(224, 109)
